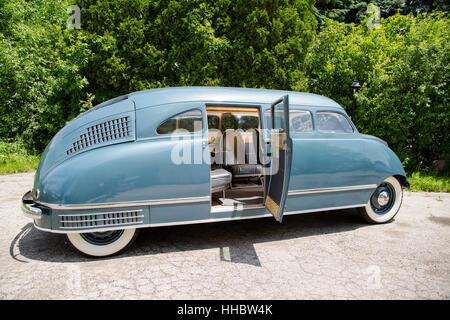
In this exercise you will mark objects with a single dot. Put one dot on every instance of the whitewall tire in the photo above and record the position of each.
(102, 244)
(384, 203)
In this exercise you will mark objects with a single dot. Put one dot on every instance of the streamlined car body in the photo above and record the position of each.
(203, 154)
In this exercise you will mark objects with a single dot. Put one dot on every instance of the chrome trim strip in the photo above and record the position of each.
(97, 213)
(119, 227)
(266, 215)
(325, 190)
(236, 208)
(324, 209)
(127, 204)
(91, 230)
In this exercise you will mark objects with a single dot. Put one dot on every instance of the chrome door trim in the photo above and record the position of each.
(337, 189)
(325, 209)
(156, 202)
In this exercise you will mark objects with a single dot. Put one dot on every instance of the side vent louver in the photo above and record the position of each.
(99, 220)
(100, 133)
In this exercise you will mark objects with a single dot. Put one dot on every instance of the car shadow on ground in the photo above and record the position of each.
(235, 239)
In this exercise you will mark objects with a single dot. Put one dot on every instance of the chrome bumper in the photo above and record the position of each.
(28, 208)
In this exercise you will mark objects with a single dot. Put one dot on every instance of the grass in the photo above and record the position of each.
(14, 158)
(429, 181)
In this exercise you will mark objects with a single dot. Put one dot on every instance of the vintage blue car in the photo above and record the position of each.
(186, 155)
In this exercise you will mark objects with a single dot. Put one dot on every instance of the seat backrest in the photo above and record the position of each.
(251, 146)
(240, 147)
(233, 147)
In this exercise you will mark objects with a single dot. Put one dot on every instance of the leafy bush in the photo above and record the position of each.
(49, 74)
(14, 157)
(404, 69)
(429, 181)
(142, 44)
(41, 63)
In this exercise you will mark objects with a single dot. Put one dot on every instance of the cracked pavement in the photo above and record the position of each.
(326, 255)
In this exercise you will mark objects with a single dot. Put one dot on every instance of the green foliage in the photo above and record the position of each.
(49, 74)
(354, 11)
(41, 84)
(416, 6)
(141, 44)
(404, 69)
(14, 157)
(429, 181)
(268, 42)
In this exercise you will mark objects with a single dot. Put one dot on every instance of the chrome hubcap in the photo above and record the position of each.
(102, 238)
(383, 198)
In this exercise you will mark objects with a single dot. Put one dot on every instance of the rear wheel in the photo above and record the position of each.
(102, 244)
(384, 203)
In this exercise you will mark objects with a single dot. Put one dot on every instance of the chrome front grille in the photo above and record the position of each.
(107, 131)
(100, 219)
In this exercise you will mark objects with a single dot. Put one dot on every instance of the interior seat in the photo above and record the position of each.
(246, 170)
(241, 153)
(220, 180)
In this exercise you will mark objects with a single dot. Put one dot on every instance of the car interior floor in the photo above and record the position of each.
(240, 193)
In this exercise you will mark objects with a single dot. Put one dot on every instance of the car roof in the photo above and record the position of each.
(163, 96)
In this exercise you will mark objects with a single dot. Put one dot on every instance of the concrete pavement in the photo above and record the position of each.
(327, 255)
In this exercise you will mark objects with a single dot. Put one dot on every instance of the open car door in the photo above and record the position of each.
(281, 158)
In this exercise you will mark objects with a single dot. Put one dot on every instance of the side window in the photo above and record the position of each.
(229, 121)
(248, 122)
(190, 121)
(239, 121)
(300, 121)
(213, 122)
(332, 122)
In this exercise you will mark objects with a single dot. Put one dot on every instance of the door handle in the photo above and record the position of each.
(204, 144)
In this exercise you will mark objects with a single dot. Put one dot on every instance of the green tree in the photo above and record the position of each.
(141, 44)
(268, 43)
(404, 69)
(354, 11)
(416, 6)
(49, 73)
(41, 62)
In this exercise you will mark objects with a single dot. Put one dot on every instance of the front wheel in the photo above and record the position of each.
(384, 203)
(102, 244)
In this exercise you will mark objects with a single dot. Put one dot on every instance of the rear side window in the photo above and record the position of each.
(248, 122)
(213, 122)
(332, 122)
(237, 121)
(229, 122)
(300, 121)
(190, 121)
